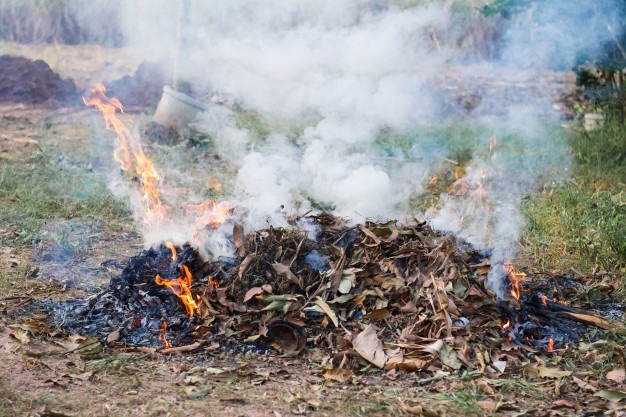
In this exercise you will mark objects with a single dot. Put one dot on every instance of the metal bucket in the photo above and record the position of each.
(176, 109)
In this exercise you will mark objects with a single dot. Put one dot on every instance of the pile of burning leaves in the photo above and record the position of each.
(400, 297)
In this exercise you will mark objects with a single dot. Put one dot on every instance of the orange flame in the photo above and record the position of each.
(507, 325)
(210, 212)
(212, 283)
(171, 247)
(544, 300)
(163, 336)
(213, 185)
(433, 180)
(129, 148)
(181, 287)
(514, 279)
(551, 345)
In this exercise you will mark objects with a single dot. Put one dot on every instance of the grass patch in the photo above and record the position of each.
(582, 223)
(37, 191)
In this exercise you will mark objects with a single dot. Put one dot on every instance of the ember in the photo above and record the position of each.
(541, 325)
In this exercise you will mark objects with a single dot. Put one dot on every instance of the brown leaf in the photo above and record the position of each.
(83, 377)
(618, 375)
(244, 264)
(113, 336)
(558, 404)
(484, 386)
(252, 292)
(338, 374)
(370, 347)
(284, 271)
(335, 276)
(369, 234)
(239, 240)
(584, 385)
(399, 362)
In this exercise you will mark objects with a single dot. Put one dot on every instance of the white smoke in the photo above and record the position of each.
(335, 79)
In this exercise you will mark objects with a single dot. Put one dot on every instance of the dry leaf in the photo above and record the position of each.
(21, 336)
(338, 374)
(252, 292)
(611, 395)
(83, 377)
(558, 404)
(617, 375)
(113, 336)
(284, 271)
(329, 311)
(370, 347)
(542, 371)
(484, 386)
(244, 264)
(584, 385)
(238, 239)
(448, 357)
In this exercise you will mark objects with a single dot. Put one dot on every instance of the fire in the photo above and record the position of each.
(212, 283)
(213, 185)
(210, 212)
(544, 300)
(171, 247)
(514, 279)
(129, 153)
(181, 287)
(163, 336)
(433, 180)
(506, 326)
(551, 345)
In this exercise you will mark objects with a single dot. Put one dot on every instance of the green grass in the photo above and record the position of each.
(39, 190)
(581, 223)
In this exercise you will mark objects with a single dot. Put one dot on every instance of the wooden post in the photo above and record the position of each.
(181, 23)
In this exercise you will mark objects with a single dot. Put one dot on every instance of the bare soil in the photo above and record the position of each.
(47, 373)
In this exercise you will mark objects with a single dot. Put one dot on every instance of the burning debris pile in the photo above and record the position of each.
(402, 297)
(411, 282)
(398, 296)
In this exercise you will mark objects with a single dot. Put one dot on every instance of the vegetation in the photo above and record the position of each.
(40, 190)
(598, 64)
(582, 223)
(48, 21)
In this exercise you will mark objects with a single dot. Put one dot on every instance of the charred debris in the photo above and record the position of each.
(399, 296)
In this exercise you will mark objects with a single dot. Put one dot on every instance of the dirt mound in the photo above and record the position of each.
(33, 82)
(142, 89)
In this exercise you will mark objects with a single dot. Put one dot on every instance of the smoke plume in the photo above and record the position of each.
(363, 102)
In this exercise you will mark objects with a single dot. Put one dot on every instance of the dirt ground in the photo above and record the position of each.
(49, 374)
